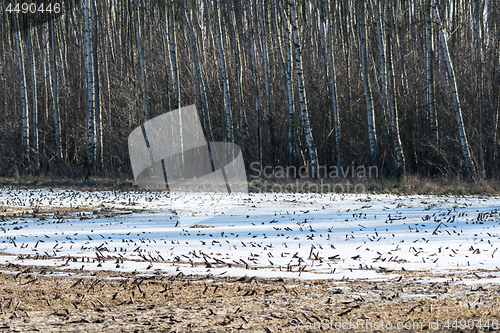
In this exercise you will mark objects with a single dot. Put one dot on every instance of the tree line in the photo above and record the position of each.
(409, 86)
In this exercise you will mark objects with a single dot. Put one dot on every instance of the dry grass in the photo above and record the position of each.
(42, 213)
(126, 302)
(89, 184)
(409, 185)
(201, 226)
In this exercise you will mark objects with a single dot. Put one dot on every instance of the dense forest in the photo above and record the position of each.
(410, 86)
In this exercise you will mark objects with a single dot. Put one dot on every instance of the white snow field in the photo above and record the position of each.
(308, 236)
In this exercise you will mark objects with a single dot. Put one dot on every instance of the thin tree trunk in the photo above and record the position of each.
(55, 98)
(142, 61)
(97, 85)
(381, 51)
(194, 52)
(239, 81)
(302, 92)
(104, 25)
(270, 129)
(34, 103)
(173, 54)
(494, 142)
(198, 34)
(61, 41)
(90, 90)
(124, 33)
(24, 97)
(399, 43)
(479, 82)
(469, 166)
(430, 81)
(372, 136)
(346, 24)
(255, 84)
(285, 71)
(225, 83)
(42, 47)
(289, 86)
(164, 30)
(336, 122)
(400, 158)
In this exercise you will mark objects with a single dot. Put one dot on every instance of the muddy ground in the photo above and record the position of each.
(41, 299)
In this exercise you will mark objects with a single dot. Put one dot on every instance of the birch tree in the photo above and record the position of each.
(34, 104)
(24, 97)
(469, 166)
(494, 142)
(389, 21)
(346, 25)
(289, 86)
(302, 92)
(90, 88)
(97, 85)
(43, 48)
(336, 122)
(381, 43)
(239, 80)
(173, 53)
(55, 95)
(479, 79)
(430, 80)
(194, 51)
(142, 61)
(270, 129)
(372, 135)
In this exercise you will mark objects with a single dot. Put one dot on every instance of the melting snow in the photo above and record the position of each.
(309, 236)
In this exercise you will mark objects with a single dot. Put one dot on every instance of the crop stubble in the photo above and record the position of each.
(34, 298)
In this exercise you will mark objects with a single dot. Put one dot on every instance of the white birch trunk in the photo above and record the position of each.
(239, 81)
(42, 48)
(381, 50)
(141, 60)
(34, 105)
(302, 92)
(372, 135)
(194, 52)
(400, 158)
(289, 86)
(173, 55)
(97, 85)
(24, 97)
(336, 122)
(164, 30)
(479, 81)
(55, 96)
(90, 88)
(347, 28)
(430, 79)
(494, 142)
(270, 130)
(469, 166)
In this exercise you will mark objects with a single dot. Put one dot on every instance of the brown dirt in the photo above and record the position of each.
(34, 298)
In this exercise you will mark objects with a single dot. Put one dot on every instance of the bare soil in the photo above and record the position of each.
(42, 299)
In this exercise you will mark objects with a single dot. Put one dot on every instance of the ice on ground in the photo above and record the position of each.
(356, 236)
